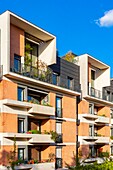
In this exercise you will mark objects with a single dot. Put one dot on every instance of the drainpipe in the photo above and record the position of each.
(77, 124)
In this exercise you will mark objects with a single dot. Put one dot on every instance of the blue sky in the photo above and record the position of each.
(81, 26)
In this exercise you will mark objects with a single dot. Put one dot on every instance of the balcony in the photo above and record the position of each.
(41, 139)
(45, 75)
(90, 138)
(27, 139)
(97, 94)
(32, 108)
(90, 116)
(102, 140)
(42, 110)
(102, 120)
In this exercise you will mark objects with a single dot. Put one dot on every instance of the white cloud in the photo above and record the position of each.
(106, 20)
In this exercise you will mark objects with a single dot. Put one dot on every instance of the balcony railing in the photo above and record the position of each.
(43, 75)
(95, 93)
(98, 94)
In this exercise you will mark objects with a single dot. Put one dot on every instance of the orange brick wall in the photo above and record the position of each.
(17, 42)
(46, 151)
(106, 148)
(8, 122)
(69, 107)
(104, 131)
(83, 129)
(4, 152)
(68, 153)
(83, 107)
(52, 99)
(8, 90)
(69, 131)
(104, 111)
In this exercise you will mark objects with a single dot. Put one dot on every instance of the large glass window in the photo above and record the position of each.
(58, 106)
(21, 94)
(21, 153)
(17, 63)
(55, 79)
(31, 53)
(20, 125)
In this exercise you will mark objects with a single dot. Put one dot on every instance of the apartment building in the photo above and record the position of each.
(94, 109)
(38, 93)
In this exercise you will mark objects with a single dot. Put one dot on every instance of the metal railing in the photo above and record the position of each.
(95, 93)
(43, 75)
(99, 94)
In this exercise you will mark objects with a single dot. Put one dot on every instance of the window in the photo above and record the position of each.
(92, 78)
(91, 108)
(55, 79)
(59, 131)
(32, 53)
(70, 83)
(58, 107)
(111, 131)
(108, 96)
(21, 94)
(21, 153)
(112, 97)
(111, 150)
(58, 157)
(17, 63)
(91, 130)
(20, 125)
(111, 112)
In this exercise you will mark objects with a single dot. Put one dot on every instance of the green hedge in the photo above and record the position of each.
(105, 166)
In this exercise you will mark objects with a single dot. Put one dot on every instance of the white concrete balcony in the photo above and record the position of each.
(39, 166)
(41, 109)
(32, 108)
(102, 120)
(94, 139)
(26, 139)
(41, 138)
(90, 138)
(90, 116)
(16, 103)
(102, 140)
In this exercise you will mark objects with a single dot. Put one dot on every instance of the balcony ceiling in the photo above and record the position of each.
(30, 28)
(96, 63)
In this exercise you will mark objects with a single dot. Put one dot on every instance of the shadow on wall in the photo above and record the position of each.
(83, 153)
(4, 158)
